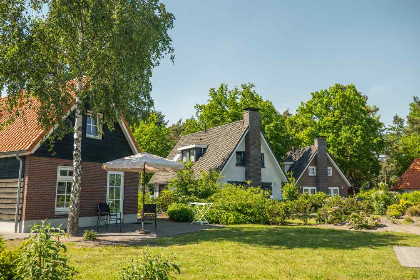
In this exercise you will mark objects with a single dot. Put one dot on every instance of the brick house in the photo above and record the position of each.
(315, 170)
(46, 175)
(237, 150)
(410, 180)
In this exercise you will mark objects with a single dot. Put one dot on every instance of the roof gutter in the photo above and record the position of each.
(18, 192)
(14, 153)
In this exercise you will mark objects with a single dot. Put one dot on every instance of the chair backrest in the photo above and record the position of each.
(150, 208)
(103, 208)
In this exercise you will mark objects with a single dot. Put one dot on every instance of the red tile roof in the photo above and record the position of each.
(24, 133)
(410, 179)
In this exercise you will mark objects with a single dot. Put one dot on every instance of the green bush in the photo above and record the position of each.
(413, 197)
(148, 199)
(394, 211)
(413, 211)
(179, 212)
(379, 199)
(165, 198)
(302, 208)
(336, 210)
(7, 262)
(41, 256)
(317, 200)
(90, 235)
(362, 221)
(239, 205)
(149, 267)
(290, 190)
(278, 212)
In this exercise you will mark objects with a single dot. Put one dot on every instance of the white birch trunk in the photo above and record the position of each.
(73, 219)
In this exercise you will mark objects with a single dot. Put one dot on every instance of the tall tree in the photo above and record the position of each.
(226, 105)
(107, 47)
(352, 128)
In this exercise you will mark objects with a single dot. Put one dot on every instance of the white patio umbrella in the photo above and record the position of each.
(143, 162)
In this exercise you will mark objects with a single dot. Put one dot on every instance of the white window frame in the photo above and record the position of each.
(98, 127)
(62, 210)
(309, 189)
(312, 170)
(329, 171)
(121, 189)
(330, 189)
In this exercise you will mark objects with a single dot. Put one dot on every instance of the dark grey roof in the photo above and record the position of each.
(301, 158)
(221, 142)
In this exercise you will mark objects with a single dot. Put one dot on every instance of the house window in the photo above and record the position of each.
(309, 190)
(312, 170)
(185, 155)
(64, 183)
(334, 191)
(240, 158)
(262, 160)
(93, 130)
(192, 155)
(329, 171)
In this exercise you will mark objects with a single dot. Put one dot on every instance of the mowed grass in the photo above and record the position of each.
(261, 252)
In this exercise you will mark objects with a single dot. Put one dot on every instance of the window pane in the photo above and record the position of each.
(117, 180)
(88, 120)
(88, 130)
(117, 193)
(112, 179)
(111, 193)
(192, 155)
(60, 201)
(70, 173)
(63, 172)
(69, 184)
(67, 200)
(116, 206)
(94, 132)
(61, 188)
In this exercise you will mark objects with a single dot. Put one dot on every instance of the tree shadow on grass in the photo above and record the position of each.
(288, 237)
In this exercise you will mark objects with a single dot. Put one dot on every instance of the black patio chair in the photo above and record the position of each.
(104, 214)
(150, 209)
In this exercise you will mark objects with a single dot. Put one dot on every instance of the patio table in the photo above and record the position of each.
(200, 209)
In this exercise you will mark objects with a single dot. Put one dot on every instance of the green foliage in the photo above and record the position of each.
(351, 127)
(149, 267)
(153, 136)
(379, 200)
(90, 235)
(179, 212)
(317, 200)
(336, 210)
(147, 199)
(413, 197)
(362, 221)
(290, 190)
(302, 208)
(7, 262)
(226, 105)
(165, 198)
(41, 256)
(187, 188)
(239, 205)
(278, 212)
(413, 211)
(397, 210)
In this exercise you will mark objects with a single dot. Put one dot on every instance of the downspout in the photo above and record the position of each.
(18, 193)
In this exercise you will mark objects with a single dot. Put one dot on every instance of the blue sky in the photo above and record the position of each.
(289, 49)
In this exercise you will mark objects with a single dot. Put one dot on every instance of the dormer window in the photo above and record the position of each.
(192, 153)
(93, 127)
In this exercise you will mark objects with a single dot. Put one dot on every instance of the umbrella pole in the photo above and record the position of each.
(144, 196)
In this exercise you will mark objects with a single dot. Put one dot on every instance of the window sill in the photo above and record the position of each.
(99, 137)
(60, 211)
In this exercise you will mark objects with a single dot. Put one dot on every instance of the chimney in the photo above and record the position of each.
(252, 119)
(321, 164)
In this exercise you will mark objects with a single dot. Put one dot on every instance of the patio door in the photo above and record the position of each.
(115, 191)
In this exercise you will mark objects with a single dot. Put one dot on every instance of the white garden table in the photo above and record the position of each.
(200, 209)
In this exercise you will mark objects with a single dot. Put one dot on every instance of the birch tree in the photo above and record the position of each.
(105, 48)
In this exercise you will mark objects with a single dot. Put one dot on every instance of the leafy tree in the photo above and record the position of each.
(107, 48)
(226, 105)
(352, 129)
(153, 136)
(290, 190)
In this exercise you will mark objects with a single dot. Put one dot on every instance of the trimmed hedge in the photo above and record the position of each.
(179, 212)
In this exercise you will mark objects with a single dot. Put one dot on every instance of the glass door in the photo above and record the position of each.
(115, 191)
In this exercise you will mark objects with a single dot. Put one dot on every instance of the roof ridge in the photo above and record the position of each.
(213, 128)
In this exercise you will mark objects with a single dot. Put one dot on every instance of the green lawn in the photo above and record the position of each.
(262, 252)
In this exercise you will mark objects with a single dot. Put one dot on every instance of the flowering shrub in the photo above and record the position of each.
(379, 199)
(278, 212)
(362, 221)
(397, 210)
(413, 211)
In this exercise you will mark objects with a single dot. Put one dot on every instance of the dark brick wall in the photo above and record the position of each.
(321, 164)
(334, 181)
(253, 147)
(41, 181)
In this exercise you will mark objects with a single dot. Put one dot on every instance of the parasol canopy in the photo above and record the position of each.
(136, 163)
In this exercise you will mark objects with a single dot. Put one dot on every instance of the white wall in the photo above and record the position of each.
(231, 172)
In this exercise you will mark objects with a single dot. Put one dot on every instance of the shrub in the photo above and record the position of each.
(413, 211)
(362, 221)
(148, 199)
(153, 267)
(41, 256)
(239, 205)
(290, 190)
(179, 212)
(7, 262)
(413, 197)
(336, 210)
(301, 208)
(90, 235)
(408, 219)
(379, 199)
(278, 212)
(394, 211)
(164, 199)
(317, 200)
